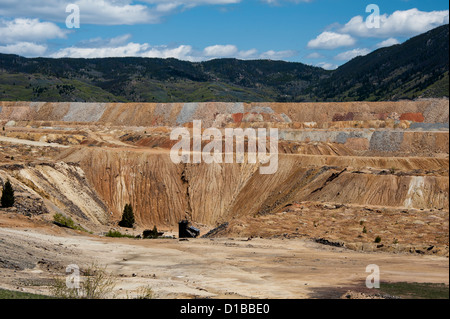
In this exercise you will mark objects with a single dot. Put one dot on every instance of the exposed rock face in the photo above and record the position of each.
(357, 153)
(391, 128)
(173, 114)
(162, 193)
(58, 187)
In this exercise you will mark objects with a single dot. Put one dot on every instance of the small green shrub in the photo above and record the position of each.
(127, 217)
(95, 283)
(144, 293)
(378, 239)
(150, 233)
(64, 221)
(7, 199)
(117, 234)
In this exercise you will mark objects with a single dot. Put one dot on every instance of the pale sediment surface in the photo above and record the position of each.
(214, 268)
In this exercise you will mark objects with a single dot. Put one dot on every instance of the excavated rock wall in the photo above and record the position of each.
(404, 127)
(162, 192)
(384, 141)
(173, 114)
(57, 188)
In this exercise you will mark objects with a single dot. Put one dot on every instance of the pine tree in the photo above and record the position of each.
(127, 217)
(7, 199)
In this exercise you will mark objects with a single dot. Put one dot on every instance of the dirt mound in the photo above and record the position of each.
(351, 226)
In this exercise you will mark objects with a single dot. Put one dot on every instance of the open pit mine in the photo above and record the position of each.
(361, 179)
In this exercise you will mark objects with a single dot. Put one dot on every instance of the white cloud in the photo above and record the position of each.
(26, 49)
(130, 49)
(249, 54)
(277, 2)
(25, 30)
(314, 55)
(109, 12)
(226, 51)
(99, 42)
(103, 12)
(327, 66)
(400, 23)
(277, 55)
(191, 3)
(182, 52)
(167, 7)
(331, 40)
(348, 55)
(119, 47)
(387, 43)
(220, 51)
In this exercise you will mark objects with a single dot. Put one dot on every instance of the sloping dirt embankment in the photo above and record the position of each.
(162, 192)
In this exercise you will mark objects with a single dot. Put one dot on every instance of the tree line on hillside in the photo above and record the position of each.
(407, 70)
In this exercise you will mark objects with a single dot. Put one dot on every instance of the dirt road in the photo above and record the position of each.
(28, 142)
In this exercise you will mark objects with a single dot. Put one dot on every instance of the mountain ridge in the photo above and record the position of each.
(416, 68)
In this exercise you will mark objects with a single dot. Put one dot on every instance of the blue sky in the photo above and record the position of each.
(325, 33)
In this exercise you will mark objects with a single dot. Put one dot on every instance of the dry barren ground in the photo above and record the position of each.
(33, 253)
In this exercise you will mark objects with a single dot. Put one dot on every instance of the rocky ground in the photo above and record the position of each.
(33, 253)
(351, 226)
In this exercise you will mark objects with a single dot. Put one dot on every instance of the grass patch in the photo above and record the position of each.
(9, 294)
(143, 293)
(118, 234)
(416, 290)
(63, 221)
